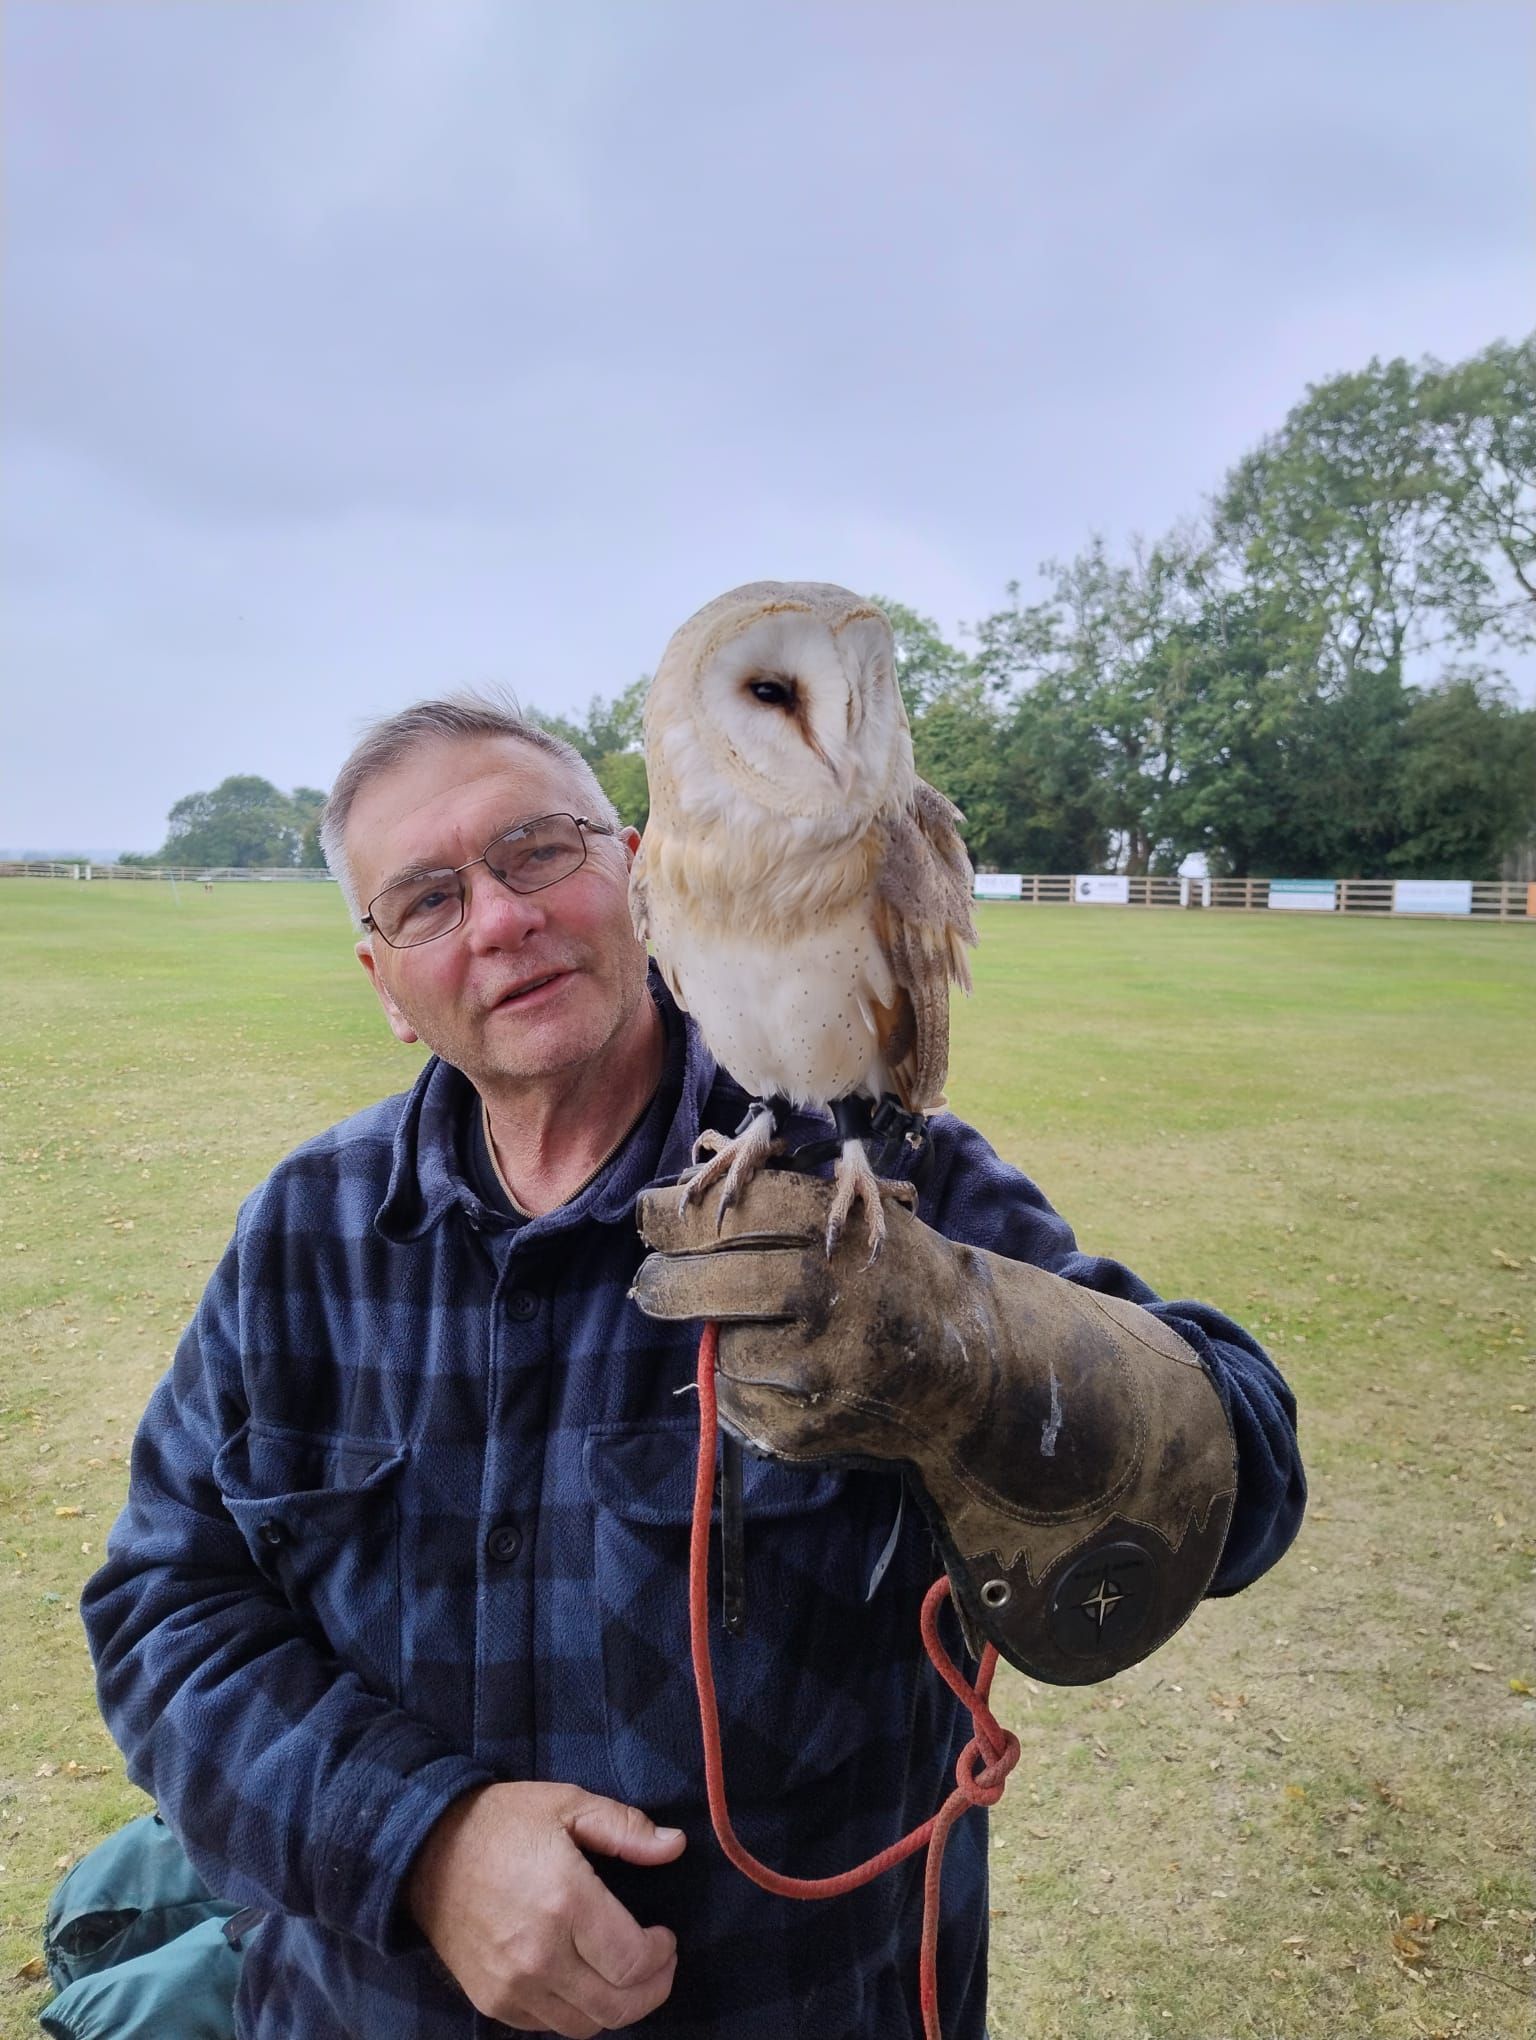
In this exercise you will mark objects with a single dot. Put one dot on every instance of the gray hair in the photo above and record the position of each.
(453, 716)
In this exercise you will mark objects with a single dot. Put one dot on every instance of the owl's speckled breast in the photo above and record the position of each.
(789, 1018)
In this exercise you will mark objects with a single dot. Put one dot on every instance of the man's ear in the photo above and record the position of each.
(630, 838)
(399, 1026)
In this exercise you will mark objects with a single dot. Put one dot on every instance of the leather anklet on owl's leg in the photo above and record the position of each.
(855, 1183)
(737, 1157)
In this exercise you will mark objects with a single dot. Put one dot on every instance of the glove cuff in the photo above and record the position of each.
(1078, 1595)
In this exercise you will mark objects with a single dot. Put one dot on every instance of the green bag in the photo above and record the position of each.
(184, 1990)
(135, 1944)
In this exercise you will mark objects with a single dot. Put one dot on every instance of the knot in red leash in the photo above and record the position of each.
(981, 1770)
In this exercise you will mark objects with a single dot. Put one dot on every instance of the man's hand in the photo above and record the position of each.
(503, 1892)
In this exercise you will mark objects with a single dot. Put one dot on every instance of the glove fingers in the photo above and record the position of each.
(777, 1205)
(757, 1285)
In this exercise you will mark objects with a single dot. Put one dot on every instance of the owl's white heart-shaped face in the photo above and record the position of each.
(784, 692)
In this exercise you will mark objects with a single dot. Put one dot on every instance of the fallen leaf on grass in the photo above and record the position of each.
(1474, 1665)
(32, 1971)
(1409, 1936)
(1295, 1791)
(1505, 1260)
(1388, 1797)
(1520, 1686)
(69, 1512)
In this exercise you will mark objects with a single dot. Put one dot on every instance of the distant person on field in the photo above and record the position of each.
(393, 1626)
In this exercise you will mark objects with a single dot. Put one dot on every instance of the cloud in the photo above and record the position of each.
(371, 348)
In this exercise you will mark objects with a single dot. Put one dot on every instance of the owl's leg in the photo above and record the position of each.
(737, 1157)
(855, 1183)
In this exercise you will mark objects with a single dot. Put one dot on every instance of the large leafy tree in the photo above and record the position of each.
(1480, 419)
(926, 664)
(308, 804)
(609, 739)
(621, 775)
(959, 743)
(1098, 683)
(1466, 780)
(1390, 520)
(244, 821)
(1337, 523)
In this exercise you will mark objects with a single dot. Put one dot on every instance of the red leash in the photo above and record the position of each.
(980, 1773)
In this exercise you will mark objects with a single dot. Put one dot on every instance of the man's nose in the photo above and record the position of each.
(495, 917)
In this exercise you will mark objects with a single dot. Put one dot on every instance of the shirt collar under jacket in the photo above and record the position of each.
(427, 1177)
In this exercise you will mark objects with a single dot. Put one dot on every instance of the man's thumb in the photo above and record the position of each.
(609, 1829)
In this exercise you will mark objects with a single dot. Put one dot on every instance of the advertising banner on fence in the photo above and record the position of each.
(997, 885)
(1432, 896)
(1102, 892)
(1304, 895)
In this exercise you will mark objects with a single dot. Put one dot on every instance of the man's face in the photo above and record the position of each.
(474, 996)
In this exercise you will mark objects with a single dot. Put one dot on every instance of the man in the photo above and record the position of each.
(393, 1625)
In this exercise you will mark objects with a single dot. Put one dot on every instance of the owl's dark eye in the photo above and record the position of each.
(773, 691)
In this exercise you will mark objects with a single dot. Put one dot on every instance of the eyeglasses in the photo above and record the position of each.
(526, 859)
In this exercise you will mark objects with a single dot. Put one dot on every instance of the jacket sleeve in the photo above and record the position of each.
(970, 1194)
(289, 1783)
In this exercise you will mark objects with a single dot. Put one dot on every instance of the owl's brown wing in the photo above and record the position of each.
(924, 923)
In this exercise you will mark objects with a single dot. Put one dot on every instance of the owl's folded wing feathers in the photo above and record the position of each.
(924, 923)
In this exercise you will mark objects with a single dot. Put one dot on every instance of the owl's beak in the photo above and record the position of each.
(840, 769)
(842, 773)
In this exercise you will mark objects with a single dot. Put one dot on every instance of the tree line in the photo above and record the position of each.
(1303, 679)
(244, 822)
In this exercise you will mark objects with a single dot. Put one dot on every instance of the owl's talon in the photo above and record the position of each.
(735, 1157)
(856, 1183)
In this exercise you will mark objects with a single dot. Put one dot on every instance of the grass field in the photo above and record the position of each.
(1307, 1815)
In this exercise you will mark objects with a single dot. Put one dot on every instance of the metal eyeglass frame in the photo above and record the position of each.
(583, 824)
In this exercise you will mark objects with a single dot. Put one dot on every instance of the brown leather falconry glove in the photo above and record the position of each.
(1072, 1455)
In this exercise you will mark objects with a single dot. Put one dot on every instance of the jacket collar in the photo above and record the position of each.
(427, 1177)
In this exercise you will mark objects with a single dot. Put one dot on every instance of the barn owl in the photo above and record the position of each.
(807, 896)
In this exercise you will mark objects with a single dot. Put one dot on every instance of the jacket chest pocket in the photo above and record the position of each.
(797, 1692)
(320, 1516)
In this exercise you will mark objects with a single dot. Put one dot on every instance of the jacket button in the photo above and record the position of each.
(504, 1542)
(522, 1303)
(272, 1533)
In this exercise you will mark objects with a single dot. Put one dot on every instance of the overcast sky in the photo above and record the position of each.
(356, 352)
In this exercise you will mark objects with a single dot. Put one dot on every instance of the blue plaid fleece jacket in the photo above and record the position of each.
(409, 1515)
